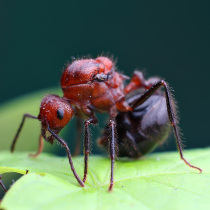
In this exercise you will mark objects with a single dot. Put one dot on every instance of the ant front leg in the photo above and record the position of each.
(64, 144)
(87, 122)
(171, 114)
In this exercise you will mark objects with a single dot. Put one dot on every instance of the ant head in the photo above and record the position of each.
(55, 112)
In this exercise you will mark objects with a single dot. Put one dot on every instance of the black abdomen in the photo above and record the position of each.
(141, 130)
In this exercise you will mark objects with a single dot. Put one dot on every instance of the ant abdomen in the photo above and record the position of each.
(141, 130)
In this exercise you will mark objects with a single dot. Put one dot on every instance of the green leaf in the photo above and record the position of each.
(159, 181)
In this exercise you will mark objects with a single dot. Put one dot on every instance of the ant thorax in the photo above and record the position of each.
(92, 83)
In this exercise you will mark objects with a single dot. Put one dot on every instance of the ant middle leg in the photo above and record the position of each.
(171, 114)
(87, 122)
(112, 150)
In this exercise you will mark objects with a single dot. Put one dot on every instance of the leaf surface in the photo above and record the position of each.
(158, 181)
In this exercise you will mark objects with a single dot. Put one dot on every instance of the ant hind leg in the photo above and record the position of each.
(171, 114)
(138, 81)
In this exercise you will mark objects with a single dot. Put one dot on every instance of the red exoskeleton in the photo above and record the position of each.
(94, 85)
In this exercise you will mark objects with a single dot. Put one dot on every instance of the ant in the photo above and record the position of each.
(94, 85)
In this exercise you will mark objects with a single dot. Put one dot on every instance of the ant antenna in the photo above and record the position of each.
(18, 132)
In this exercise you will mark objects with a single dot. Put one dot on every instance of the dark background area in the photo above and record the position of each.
(169, 39)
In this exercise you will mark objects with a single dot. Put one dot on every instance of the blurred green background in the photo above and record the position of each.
(169, 39)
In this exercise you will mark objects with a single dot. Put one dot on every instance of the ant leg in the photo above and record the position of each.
(78, 136)
(112, 150)
(138, 81)
(18, 132)
(2, 184)
(64, 144)
(171, 114)
(87, 122)
(40, 149)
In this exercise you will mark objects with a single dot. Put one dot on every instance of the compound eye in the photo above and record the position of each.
(60, 114)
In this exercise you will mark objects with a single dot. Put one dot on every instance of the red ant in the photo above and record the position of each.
(93, 85)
